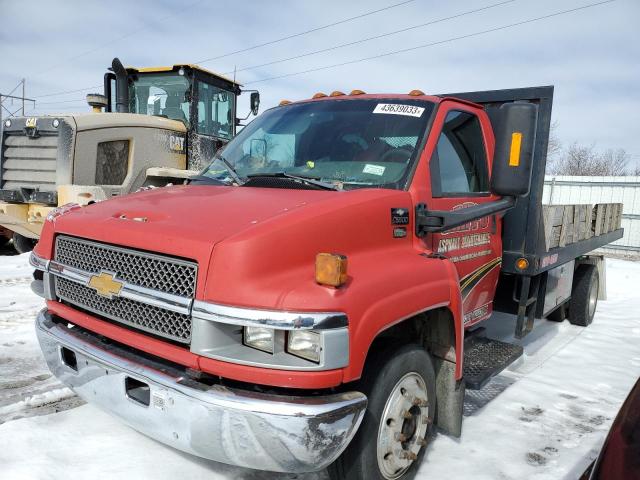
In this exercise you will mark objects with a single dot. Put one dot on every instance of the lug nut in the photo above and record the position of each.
(419, 402)
(406, 414)
(400, 437)
(408, 456)
(427, 420)
(421, 441)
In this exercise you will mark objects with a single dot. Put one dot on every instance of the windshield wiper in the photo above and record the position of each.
(231, 170)
(307, 180)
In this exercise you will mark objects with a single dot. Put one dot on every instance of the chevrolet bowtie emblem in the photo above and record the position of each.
(106, 285)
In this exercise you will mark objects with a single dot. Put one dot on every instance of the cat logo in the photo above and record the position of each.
(30, 122)
(176, 143)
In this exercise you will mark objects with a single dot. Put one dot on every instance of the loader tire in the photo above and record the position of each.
(584, 295)
(398, 422)
(23, 244)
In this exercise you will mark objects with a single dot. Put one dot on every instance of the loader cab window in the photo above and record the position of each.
(215, 111)
(161, 94)
(459, 162)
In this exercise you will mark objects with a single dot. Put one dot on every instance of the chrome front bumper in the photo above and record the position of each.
(233, 426)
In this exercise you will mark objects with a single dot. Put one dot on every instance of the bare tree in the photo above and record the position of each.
(554, 148)
(615, 161)
(586, 160)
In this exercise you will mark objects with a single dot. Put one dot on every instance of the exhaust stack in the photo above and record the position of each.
(122, 86)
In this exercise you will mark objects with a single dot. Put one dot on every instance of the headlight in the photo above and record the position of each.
(7, 123)
(260, 338)
(55, 123)
(304, 344)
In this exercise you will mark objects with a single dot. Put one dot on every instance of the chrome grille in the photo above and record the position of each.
(145, 269)
(164, 274)
(172, 325)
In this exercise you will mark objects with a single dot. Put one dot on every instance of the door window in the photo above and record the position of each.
(459, 164)
(215, 111)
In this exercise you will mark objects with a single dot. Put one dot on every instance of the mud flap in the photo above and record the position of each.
(450, 395)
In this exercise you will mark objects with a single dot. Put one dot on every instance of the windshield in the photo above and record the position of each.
(348, 143)
(162, 94)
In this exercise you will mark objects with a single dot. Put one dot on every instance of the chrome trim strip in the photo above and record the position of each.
(148, 296)
(281, 320)
(195, 417)
(38, 262)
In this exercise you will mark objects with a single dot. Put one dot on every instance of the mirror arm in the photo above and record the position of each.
(242, 119)
(431, 221)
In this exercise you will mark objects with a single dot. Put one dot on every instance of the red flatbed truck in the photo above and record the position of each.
(303, 303)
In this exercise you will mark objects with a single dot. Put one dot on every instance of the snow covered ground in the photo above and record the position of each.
(543, 418)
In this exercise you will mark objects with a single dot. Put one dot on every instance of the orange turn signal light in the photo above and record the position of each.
(522, 264)
(336, 93)
(319, 95)
(416, 93)
(331, 269)
(284, 102)
(357, 92)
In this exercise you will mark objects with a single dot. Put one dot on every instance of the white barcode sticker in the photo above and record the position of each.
(373, 169)
(399, 109)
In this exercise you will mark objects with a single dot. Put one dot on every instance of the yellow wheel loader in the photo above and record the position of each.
(152, 126)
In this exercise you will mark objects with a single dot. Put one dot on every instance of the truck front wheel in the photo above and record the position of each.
(584, 297)
(390, 444)
(23, 244)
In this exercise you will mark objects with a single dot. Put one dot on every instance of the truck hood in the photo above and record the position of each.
(184, 220)
(250, 228)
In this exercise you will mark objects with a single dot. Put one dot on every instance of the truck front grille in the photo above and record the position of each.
(171, 325)
(29, 162)
(157, 272)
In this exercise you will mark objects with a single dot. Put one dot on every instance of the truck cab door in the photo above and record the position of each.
(459, 171)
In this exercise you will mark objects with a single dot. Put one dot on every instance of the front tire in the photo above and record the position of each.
(584, 296)
(23, 244)
(398, 422)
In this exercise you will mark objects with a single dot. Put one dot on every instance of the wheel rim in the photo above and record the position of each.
(593, 298)
(403, 426)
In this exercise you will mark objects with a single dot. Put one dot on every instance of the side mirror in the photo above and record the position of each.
(255, 102)
(515, 144)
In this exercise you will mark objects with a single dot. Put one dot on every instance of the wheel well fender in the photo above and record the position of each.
(433, 308)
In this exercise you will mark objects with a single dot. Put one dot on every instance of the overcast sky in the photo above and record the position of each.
(592, 56)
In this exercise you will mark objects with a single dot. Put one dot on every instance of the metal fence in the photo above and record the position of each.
(560, 190)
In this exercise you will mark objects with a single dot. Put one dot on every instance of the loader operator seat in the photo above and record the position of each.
(172, 108)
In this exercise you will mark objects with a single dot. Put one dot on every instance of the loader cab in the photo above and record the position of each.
(203, 101)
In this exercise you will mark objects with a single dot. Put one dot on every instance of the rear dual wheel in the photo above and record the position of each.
(584, 295)
(581, 308)
(398, 422)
